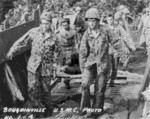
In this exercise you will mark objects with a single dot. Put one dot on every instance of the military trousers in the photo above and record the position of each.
(39, 91)
(114, 66)
(90, 76)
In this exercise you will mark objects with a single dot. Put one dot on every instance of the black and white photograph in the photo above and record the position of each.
(74, 59)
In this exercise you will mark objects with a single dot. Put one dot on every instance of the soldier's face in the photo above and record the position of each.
(110, 20)
(45, 24)
(65, 25)
(92, 23)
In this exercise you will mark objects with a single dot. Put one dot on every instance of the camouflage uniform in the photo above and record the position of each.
(40, 64)
(123, 45)
(120, 46)
(95, 65)
(113, 55)
(126, 47)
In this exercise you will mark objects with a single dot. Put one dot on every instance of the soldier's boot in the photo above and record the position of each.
(81, 112)
(113, 77)
(111, 83)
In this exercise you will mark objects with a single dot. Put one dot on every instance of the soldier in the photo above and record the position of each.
(120, 48)
(144, 25)
(144, 18)
(40, 66)
(47, 4)
(125, 33)
(77, 21)
(68, 40)
(16, 14)
(94, 62)
(58, 20)
(114, 58)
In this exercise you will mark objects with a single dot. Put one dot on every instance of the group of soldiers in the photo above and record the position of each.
(101, 47)
(19, 14)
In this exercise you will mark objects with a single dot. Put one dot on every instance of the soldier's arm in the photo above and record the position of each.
(57, 52)
(22, 42)
(102, 50)
(112, 37)
(127, 39)
(77, 41)
(83, 52)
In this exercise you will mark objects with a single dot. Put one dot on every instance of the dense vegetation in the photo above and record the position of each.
(135, 6)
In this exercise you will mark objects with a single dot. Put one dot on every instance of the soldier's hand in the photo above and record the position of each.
(143, 44)
(9, 55)
(63, 68)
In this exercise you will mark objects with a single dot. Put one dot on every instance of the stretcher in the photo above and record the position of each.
(61, 74)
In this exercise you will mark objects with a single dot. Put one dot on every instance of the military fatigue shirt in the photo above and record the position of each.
(120, 43)
(120, 38)
(95, 50)
(42, 50)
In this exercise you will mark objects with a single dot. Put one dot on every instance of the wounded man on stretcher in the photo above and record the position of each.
(69, 71)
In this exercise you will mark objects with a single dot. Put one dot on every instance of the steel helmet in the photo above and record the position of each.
(78, 8)
(47, 16)
(92, 13)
